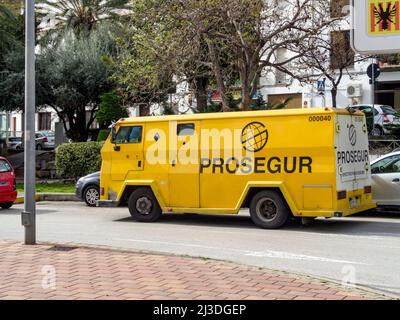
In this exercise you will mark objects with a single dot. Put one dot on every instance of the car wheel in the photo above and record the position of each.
(268, 210)
(91, 195)
(143, 206)
(6, 205)
(377, 132)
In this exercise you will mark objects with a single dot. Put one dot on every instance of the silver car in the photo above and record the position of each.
(14, 143)
(45, 140)
(386, 180)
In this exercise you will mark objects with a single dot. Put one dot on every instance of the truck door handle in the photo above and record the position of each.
(396, 180)
(173, 163)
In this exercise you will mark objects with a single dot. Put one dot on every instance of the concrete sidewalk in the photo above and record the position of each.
(70, 272)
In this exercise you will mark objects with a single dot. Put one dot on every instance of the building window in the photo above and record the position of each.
(44, 121)
(342, 56)
(337, 8)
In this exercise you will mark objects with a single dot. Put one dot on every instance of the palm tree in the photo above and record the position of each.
(11, 28)
(78, 15)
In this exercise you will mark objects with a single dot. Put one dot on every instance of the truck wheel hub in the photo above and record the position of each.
(144, 205)
(266, 209)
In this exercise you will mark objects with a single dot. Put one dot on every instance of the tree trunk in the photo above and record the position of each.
(218, 75)
(77, 130)
(200, 92)
(334, 97)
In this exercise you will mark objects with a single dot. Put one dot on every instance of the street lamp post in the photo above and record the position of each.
(29, 214)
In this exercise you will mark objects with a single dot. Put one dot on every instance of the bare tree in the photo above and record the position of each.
(251, 32)
(329, 56)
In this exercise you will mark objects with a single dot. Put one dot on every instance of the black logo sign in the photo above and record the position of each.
(353, 135)
(254, 137)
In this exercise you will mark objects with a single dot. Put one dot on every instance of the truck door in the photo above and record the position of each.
(352, 154)
(184, 175)
(128, 152)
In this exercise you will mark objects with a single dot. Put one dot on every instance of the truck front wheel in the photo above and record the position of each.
(144, 206)
(268, 210)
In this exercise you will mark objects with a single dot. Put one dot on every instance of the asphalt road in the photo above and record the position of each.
(364, 248)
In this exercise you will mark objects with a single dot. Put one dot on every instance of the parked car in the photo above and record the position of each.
(383, 115)
(45, 140)
(14, 144)
(386, 180)
(8, 186)
(88, 189)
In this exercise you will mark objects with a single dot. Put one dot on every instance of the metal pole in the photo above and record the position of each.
(29, 214)
(373, 96)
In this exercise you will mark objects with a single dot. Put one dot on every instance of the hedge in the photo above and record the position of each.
(75, 160)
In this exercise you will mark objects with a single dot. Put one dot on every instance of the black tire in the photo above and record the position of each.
(6, 205)
(91, 194)
(377, 132)
(39, 147)
(144, 206)
(268, 210)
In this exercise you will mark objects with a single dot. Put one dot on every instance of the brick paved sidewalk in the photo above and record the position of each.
(27, 272)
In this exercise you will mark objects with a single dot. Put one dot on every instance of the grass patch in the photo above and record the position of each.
(50, 188)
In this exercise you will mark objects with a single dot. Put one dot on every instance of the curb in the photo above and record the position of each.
(50, 197)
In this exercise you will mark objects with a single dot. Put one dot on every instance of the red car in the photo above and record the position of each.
(8, 187)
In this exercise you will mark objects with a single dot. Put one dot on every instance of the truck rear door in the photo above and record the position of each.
(353, 172)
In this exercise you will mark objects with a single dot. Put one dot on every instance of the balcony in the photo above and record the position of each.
(390, 62)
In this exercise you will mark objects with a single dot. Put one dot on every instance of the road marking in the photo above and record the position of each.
(259, 254)
(294, 256)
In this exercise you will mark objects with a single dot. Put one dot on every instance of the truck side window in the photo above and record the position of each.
(185, 129)
(129, 135)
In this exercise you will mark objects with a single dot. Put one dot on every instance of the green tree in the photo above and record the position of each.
(11, 32)
(14, 5)
(70, 79)
(111, 109)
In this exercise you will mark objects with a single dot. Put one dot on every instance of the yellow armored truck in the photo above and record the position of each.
(280, 164)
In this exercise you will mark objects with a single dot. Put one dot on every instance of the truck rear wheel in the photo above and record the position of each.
(268, 210)
(144, 206)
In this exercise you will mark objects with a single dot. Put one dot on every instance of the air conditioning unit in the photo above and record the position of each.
(354, 90)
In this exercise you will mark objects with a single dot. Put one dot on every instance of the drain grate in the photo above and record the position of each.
(62, 248)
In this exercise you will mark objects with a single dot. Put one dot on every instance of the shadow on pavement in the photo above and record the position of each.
(359, 225)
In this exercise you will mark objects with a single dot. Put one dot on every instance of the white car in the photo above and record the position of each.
(14, 143)
(383, 115)
(45, 139)
(386, 180)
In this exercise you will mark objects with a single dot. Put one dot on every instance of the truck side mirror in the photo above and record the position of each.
(113, 139)
(113, 134)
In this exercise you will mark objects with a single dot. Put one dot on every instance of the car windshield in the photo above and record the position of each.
(388, 110)
(4, 166)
